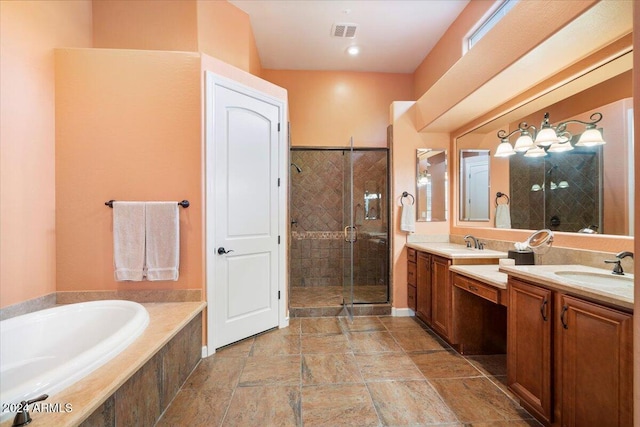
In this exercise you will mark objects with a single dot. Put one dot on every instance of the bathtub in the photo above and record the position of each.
(48, 350)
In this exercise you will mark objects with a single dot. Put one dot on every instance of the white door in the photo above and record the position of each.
(242, 213)
(477, 191)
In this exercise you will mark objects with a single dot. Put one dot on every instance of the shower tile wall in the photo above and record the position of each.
(576, 207)
(317, 207)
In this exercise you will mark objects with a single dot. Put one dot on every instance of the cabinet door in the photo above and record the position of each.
(529, 346)
(441, 296)
(423, 290)
(596, 364)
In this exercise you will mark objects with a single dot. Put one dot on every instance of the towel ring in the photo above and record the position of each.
(406, 194)
(499, 195)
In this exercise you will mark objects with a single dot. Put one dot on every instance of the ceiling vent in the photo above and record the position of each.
(342, 30)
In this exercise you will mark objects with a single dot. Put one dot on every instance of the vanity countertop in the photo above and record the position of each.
(487, 273)
(556, 277)
(455, 251)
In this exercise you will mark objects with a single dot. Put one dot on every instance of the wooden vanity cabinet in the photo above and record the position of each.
(597, 365)
(441, 296)
(569, 360)
(423, 296)
(529, 346)
(412, 278)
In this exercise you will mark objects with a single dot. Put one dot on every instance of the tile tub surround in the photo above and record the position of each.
(136, 295)
(374, 371)
(156, 363)
(29, 306)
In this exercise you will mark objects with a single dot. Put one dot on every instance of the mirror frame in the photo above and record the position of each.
(547, 93)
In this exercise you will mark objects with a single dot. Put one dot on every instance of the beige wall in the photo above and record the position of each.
(328, 107)
(225, 32)
(127, 128)
(29, 31)
(511, 38)
(216, 28)
(148, 25)
(449, 48)
(405, 143)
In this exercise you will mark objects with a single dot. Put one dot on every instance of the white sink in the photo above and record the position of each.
(602, 280)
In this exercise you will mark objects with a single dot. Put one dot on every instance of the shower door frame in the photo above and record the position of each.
(387, 209)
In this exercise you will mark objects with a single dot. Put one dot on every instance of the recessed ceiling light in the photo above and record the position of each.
(353, 50)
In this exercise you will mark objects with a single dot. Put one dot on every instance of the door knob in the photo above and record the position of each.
(222, 251)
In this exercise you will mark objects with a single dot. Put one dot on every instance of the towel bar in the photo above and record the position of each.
(500, 194)
(406, 194)
(184, 203)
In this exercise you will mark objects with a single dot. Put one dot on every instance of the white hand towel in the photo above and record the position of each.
(408, 218)
(163, 240)
(128, 240)
(503, 216)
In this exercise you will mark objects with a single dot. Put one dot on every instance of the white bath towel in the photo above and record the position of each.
(408, 218)
(503, 216)
(163, 240)
(128, 240)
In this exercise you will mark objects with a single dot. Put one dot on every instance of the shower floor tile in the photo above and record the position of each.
(360, 373)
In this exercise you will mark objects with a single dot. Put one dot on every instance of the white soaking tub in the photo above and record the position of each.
(47, 351)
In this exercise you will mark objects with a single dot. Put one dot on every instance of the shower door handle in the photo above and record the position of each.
(350, 234)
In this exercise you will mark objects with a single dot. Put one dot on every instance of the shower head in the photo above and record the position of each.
(297, 167)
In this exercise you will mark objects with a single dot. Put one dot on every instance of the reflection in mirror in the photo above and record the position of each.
(372, 198)
(474, 185)
(585, 190)
(431, 185)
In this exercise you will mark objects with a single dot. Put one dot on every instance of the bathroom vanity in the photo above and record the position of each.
(431, 283)
(566, 329)
(569, 356)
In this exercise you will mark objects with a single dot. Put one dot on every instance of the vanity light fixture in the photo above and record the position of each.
(549, 138)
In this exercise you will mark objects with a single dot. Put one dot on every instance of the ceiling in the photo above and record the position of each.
(394, 35)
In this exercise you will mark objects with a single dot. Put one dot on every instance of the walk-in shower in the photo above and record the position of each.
(339, 233)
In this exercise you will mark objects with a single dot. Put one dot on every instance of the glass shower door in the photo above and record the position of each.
(350, 232)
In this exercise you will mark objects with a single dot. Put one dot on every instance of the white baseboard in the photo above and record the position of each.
(402, 312)
(205, 352)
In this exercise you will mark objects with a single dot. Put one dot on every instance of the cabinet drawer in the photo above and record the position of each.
(411, 255)
(483, 291)
(411, 273)
(411, 297)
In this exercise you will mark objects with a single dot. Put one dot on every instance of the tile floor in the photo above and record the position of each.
(376, 371)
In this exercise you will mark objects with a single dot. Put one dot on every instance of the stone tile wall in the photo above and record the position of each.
(145, 396)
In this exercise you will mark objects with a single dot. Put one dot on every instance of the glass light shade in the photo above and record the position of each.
(590, 137)
(563, 184)
(536, 187)
(546, 137)
(559, 147)
(535, 152)
(553, 185)
(504, 149)
(523, 143)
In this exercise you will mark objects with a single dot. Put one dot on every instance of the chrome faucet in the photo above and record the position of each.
(617, 268)
(468, 238)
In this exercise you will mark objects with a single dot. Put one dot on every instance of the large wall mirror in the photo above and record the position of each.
(585, 190)
(431, 185)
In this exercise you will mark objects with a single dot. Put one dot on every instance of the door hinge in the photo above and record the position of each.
(278, 294)
(278, 127)
(278, 182)
(278, 239)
